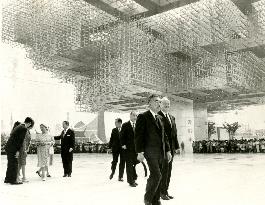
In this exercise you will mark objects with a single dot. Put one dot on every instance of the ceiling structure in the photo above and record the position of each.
(116, 52)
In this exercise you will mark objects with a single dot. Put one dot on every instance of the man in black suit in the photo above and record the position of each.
(13, 145)
(171, 132)
(117, 151)
(67, 138)
(151, 144)
(127, 143)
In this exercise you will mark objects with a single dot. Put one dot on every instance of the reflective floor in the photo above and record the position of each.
(234, 179)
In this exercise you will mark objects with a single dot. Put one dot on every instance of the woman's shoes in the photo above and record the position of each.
(37, 172)
(25, 180)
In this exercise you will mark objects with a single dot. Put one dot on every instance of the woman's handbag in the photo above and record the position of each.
(51, 150)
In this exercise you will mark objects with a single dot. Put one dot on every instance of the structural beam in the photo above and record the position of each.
(107, 8)
(148, 4)
(167, 7)
(245, 6)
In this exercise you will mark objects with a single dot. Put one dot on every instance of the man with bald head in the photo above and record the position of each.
(171, 133)
(127, 143)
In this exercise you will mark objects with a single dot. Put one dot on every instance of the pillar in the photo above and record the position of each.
(182, 110)
(200, 121)
(101, 126)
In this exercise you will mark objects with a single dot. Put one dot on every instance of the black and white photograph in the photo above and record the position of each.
(132, 102)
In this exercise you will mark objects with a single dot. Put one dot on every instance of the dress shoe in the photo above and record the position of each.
(69, 175)
(133, 185)
(65, 175)
(25, 180)
(164, 197)
(49, 175)
(111, 176)
(171, 197)
(136, 184)
(157, 203)
(16, 183)
(120, 180)
(38, 173)
(147, 202)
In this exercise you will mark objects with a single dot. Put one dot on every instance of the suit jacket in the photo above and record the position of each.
(16, 139)
(171, 131)
(127, 136)
(67, 141)
(114, 142)
(150, 136)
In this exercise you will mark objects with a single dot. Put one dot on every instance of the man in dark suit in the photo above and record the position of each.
(117, 151)
(151, 144)
(171, 133)
(13, 145)
(127, 143)
(67, 138)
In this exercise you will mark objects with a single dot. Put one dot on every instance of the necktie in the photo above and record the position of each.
(168, 118)
(133, 125)
(157, 121)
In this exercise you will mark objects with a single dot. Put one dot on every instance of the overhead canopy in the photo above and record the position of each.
(117, 52)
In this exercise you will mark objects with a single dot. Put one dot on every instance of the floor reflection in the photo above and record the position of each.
(196, 179)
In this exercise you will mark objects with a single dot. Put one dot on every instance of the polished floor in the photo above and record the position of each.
(230, 179)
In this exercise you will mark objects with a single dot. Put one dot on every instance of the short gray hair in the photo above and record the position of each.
(165, 99)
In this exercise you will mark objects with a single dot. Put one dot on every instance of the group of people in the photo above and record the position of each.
(18, 144)
(151, 135)
(229, 146)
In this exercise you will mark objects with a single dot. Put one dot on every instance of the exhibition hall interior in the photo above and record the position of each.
(91, 62)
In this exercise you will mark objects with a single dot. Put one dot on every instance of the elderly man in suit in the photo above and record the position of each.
(117, 151)
(13, 145)
(151, 144)
(171, 133)
(67, 138)
(127, 143)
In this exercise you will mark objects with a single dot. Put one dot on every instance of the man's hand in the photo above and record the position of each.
(169, 156)
(124, 147)
(71, 149)
(177, 151)
(17, 154)
(140, 157)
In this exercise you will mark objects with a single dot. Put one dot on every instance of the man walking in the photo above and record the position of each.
(127, 143)
(117, 151)
(67, 138)
(171, 132)
(151, 144)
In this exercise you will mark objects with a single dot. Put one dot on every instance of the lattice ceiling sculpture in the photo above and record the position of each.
(114, 49)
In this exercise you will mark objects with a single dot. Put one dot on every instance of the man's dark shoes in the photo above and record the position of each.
(157, 203)
(147, 202)
(65, 175)
(120, 179)
(133, 184)
(164, 197)
(49, 175)
(170, 197)
(38, 173)
(111, 176)
(69, 175)
(16, 183)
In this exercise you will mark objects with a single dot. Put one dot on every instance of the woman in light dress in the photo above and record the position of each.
(44, 143)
